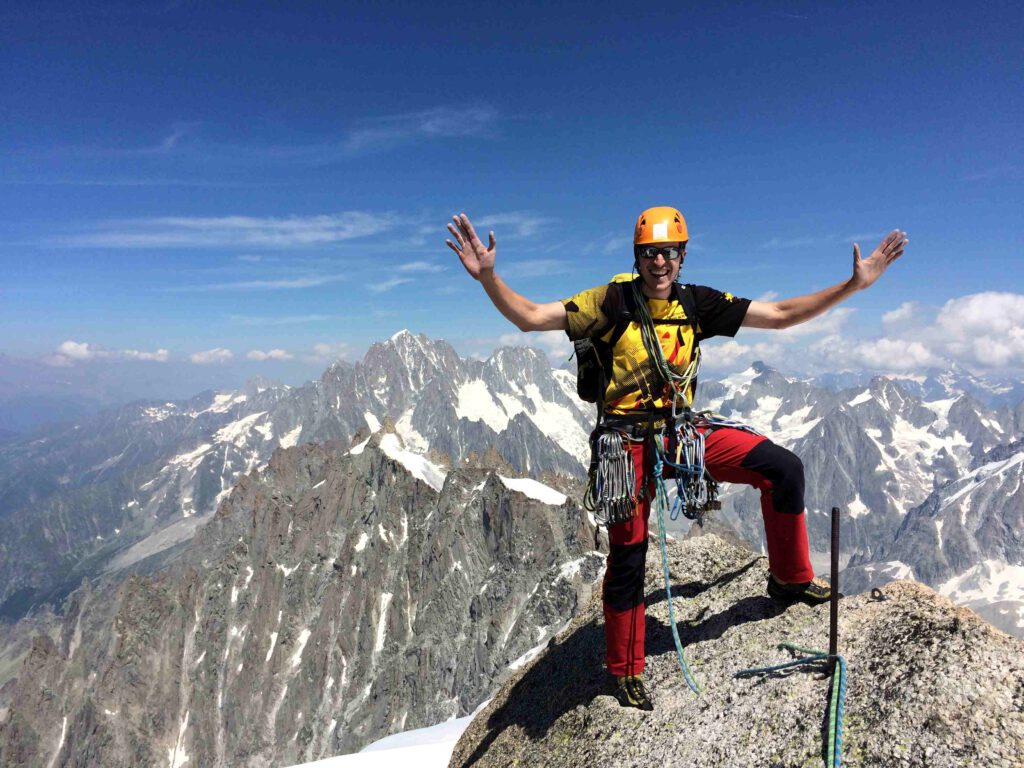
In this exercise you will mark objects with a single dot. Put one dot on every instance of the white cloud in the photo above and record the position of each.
(74, 350)
(866, 240)
(422, 266)
(982, 329)
(71, 352)
(622, 245)
(383, 133)
(831, 322)
(284, 320)
(515, 223)
(892, 355)
(211, 356)
(535, 268)
(902, 315)
(387, 285)
(284, 284)
(729, 354)
(160, 356)
(328, 352)
(231, 231)
(555, 343)
(273, 354)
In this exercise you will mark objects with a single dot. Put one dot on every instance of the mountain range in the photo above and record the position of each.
(170, 534)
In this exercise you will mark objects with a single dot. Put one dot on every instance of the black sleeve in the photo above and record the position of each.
(718, 314)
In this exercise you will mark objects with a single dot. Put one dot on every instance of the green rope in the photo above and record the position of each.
(680, 383)
(836, 699)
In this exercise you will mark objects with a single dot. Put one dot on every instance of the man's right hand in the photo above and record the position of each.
(477, 258)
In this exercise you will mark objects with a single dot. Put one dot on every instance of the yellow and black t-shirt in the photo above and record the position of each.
(634, 383)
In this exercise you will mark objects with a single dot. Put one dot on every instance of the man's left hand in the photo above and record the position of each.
(866, 271)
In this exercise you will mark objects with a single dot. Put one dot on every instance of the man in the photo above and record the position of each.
(640, 387)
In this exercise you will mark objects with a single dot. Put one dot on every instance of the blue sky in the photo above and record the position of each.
(186, 185)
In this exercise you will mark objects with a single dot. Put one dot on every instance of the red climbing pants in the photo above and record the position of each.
(731, 456)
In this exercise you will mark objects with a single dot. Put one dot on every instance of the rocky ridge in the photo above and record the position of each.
(337, 596)
(929, 683)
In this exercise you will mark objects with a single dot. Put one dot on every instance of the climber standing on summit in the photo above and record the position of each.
(650, 326)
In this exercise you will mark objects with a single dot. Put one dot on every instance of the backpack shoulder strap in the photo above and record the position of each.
(626, 313)
(684, 295)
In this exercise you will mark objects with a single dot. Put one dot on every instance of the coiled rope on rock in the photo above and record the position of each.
(836, 699)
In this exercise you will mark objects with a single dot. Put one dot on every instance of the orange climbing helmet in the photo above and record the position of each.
(660, 225)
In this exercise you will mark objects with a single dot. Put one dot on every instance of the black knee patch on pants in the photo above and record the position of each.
(624, 579)
(786, 472)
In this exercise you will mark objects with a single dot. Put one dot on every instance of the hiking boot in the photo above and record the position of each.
(812, 592)
(630, 691)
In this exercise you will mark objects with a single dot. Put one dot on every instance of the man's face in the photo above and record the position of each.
(659, 273)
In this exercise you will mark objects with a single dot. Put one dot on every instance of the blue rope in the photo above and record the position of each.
(662, 501)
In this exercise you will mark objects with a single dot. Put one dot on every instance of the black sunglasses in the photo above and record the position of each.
(671, 253)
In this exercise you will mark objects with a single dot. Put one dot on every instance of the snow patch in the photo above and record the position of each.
(534, 490)
(475, 403)
(290, 439)
(371, 421)
(176, 756)
(857, 508)
(235, 432)
(192, 458)
(418, 466)
(988, 582)
(300, 647)
(382, 624)
(863, 397)
(364, 538)
(222, 403)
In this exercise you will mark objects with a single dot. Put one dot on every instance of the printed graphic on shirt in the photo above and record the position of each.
(634, 382)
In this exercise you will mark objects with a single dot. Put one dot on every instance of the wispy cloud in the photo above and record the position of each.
(387, 285)
(133, 182)
(230, 231)
(380, 133)
(71, 352)
(286, 284)
(273, 354)
(271, 321)
(810, 241)
(621, 244)
(515, 223)
(553, 343)
(170, 140)
(328, 352)
(422, 266)
(536, 268)
(981, 330)
(211, 356)
(996, 173)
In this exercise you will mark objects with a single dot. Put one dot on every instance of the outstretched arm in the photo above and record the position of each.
(800, 309)
(478, 260)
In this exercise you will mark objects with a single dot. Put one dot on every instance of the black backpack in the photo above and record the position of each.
(594, 355)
